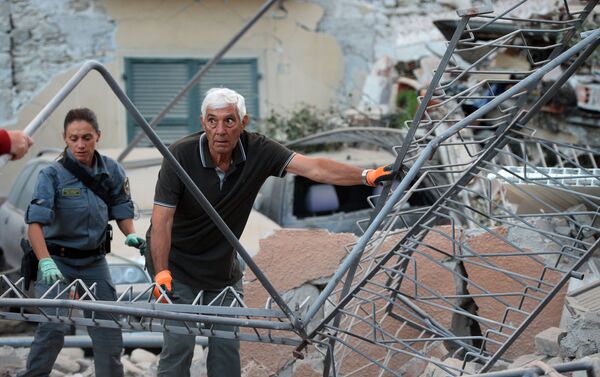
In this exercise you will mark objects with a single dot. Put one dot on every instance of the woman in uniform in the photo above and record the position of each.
(68, 216)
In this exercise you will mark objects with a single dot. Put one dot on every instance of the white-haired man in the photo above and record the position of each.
(188, 252)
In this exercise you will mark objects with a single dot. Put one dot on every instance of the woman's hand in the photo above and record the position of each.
(50, 272)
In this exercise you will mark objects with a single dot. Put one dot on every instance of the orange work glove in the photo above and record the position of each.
(163, 279)
(381, 174)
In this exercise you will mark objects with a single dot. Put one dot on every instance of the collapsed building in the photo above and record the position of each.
(515, 218)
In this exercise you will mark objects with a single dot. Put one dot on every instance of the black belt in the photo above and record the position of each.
(68, 252)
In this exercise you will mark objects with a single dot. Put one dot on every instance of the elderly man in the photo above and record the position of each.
(189, 254)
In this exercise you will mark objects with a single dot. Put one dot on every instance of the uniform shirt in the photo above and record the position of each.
(70, 213)
(200, 255)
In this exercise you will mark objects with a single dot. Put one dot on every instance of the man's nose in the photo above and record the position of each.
(220, 127)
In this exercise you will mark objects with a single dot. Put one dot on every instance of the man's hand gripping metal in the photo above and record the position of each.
(164, 294)
(373, 177)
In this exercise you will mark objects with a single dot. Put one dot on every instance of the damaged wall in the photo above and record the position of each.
(370, 30)
(296, 63)
(375, 35)
(299, 263)
(39, 39)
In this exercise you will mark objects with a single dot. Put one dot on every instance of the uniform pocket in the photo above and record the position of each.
(72, 197)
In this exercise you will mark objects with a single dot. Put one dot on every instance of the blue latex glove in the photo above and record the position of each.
(50, 273)
(134, 241)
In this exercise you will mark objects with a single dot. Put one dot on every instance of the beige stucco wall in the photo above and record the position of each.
(297, 65)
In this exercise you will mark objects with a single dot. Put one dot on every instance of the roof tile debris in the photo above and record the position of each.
(292, 259)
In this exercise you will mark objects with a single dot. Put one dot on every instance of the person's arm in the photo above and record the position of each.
(15, 142)
(4, 142)
(38, 243)
(132, 239)
(50, 271)
(126, 226)
(162, 224)
(324, 170)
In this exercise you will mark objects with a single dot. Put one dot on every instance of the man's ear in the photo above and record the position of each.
(245, 121)
(99, 134)
(202, 123)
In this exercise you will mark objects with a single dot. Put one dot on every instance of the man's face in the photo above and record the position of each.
(81, 139)
(223, 128)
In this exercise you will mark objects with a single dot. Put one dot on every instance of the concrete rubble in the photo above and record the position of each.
(299, 263)
(583, 336)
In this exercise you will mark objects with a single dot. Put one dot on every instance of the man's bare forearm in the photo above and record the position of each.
(324, 170)
(160, 237)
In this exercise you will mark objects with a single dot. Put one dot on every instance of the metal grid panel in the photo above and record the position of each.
(429, 294)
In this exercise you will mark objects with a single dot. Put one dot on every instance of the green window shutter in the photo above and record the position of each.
(239, 75)
(152, 83)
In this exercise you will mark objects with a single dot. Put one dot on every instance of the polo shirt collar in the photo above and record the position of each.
(239, 153)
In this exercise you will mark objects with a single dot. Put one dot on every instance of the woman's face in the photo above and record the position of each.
(81, 139)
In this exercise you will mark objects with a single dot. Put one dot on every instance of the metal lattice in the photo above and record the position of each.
(389, 317)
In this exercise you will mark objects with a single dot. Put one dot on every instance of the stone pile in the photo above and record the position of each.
(288, 258)
(72, 362)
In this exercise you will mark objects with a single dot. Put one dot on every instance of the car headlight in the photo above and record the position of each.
(127, 274)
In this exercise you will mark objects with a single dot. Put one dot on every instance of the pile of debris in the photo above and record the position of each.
(299, 263)
(73, 363)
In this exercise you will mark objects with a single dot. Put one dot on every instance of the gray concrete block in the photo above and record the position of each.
(413, 367)
(583, 337)
(547, 342)
(523, 360)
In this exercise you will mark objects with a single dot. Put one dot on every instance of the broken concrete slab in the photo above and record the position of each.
(583, 337)
(547, 342)
(130, 369)
(451, 364)
(290, 258)
(523, 360)
(140, 355)
(72, 353)
(301, 299)
(66, 364)
(10, 360)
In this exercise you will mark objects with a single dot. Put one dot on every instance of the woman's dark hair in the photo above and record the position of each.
(83, 114)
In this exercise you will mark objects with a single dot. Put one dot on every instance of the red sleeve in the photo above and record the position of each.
(4, 142)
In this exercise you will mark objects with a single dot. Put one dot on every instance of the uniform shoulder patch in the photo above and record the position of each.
(126, 189)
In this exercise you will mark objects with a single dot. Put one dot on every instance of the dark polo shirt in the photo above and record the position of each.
(200, 255)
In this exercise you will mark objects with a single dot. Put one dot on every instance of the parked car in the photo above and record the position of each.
(298, 202)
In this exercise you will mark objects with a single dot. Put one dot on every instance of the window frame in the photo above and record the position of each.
(193, 111)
